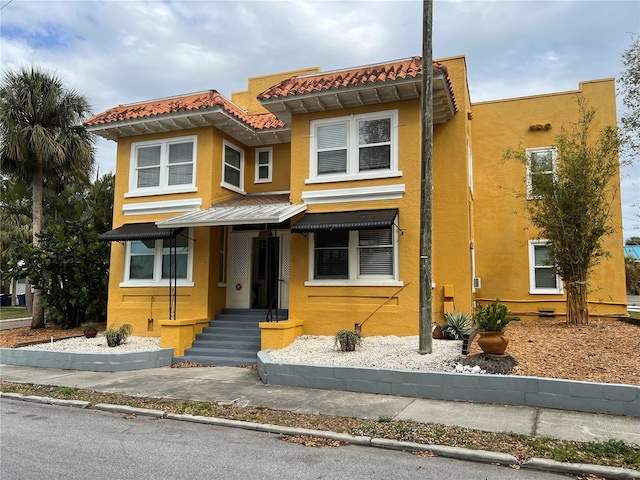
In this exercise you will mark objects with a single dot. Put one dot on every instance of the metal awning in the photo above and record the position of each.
(138, 231)
(354, 220)
(235, 215)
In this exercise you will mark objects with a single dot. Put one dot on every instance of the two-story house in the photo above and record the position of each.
(299, 199)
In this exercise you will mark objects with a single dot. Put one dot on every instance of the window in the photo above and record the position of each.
(163, 166)
(542, 274)
(148, 261)
(355, 147)
(541, 166)
(264, 165)
(357, 256)
(233, 167)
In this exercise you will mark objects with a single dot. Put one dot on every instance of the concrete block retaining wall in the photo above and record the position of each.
(92, 362)
(607, 398)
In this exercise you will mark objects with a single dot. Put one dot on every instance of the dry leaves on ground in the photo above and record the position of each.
(606, 350)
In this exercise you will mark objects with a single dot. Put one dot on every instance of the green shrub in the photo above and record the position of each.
(457, 323)
(348, 340)
(116, 335)
(493, 317)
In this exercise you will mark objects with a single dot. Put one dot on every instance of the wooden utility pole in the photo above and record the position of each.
(426, 194)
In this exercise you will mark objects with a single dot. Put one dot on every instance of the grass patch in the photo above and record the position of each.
(7, 313)
(610, 453)
(635, 315)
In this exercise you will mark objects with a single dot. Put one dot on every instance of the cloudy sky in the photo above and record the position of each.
(131, 50)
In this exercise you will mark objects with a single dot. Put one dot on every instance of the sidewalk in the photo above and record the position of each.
(242, 387)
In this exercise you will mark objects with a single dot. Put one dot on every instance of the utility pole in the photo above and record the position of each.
(426, 194)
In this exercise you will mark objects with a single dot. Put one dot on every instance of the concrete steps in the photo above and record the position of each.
(232, 339)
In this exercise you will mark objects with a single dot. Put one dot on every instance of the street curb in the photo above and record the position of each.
(483, 456)
(614, 473)
(128, 410)
(459, 453)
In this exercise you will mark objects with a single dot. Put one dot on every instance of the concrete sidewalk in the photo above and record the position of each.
(242, 387)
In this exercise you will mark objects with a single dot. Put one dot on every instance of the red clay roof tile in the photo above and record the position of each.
(196, 101)
(386, 72)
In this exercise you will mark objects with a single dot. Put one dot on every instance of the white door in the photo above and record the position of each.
(239, 271)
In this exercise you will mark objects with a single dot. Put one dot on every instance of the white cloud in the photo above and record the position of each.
(121, 52)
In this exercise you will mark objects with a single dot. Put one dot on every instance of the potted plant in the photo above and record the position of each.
(492, 319)
(90, 329)
(348, 340)
(457, 324)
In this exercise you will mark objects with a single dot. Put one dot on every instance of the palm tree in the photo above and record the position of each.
(42, 137)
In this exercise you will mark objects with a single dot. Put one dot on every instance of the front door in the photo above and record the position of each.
(258, 270)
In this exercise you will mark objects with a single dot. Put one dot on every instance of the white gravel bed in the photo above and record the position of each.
(398, 353)
(98, 345)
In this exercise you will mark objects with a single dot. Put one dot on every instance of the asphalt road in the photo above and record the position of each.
(51, 442)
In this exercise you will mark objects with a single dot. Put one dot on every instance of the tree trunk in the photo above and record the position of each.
(37, 320)
(28, 297)
(577, 306)
(14, 293)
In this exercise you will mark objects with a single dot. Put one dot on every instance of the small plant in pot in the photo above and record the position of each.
(90, 329)
(492, 319)
(348, 340)
(117, 335)
(457, 324)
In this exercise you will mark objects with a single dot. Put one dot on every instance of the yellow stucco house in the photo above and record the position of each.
(294, 207)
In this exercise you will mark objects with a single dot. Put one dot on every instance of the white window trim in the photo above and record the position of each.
(269, 150)
(532, 273)
(354, 258)
(228, 185)
(180, 282)
(528, 152)
(353, 172)
(163, 188)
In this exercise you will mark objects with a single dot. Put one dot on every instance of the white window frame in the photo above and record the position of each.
(223, 183)
(163, 187)
(533, 289)
(157, 280)
(352, 148)
(269, 165)
(529, 152)
(355, 279)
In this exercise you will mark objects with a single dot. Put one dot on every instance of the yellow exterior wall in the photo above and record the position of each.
(502, 230)
(256, 85)
(326, 309)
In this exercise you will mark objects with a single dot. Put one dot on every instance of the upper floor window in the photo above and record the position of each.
(163, 166)
(542, 273)
(232, 167)
(354, 147)
(264, 165)
(541, 168)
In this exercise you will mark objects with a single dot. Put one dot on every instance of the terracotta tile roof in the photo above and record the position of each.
(381, 73)
(253, 200)
(197, 101)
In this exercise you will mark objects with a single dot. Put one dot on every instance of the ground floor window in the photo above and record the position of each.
(355, 256)
(148, 261)
(542, 274)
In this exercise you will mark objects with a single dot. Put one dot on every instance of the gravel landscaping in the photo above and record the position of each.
(98, 345)
(389, 352)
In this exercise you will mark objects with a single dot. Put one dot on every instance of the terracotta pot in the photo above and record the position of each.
(493, 343)
(90, 333)
(437, 332)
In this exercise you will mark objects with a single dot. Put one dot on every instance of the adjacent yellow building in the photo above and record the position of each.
(299, 200)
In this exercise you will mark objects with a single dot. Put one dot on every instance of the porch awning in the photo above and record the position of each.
(235, 215)
(354, 220)
(138, 231)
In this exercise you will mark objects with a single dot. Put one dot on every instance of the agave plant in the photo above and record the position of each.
(457, 323)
